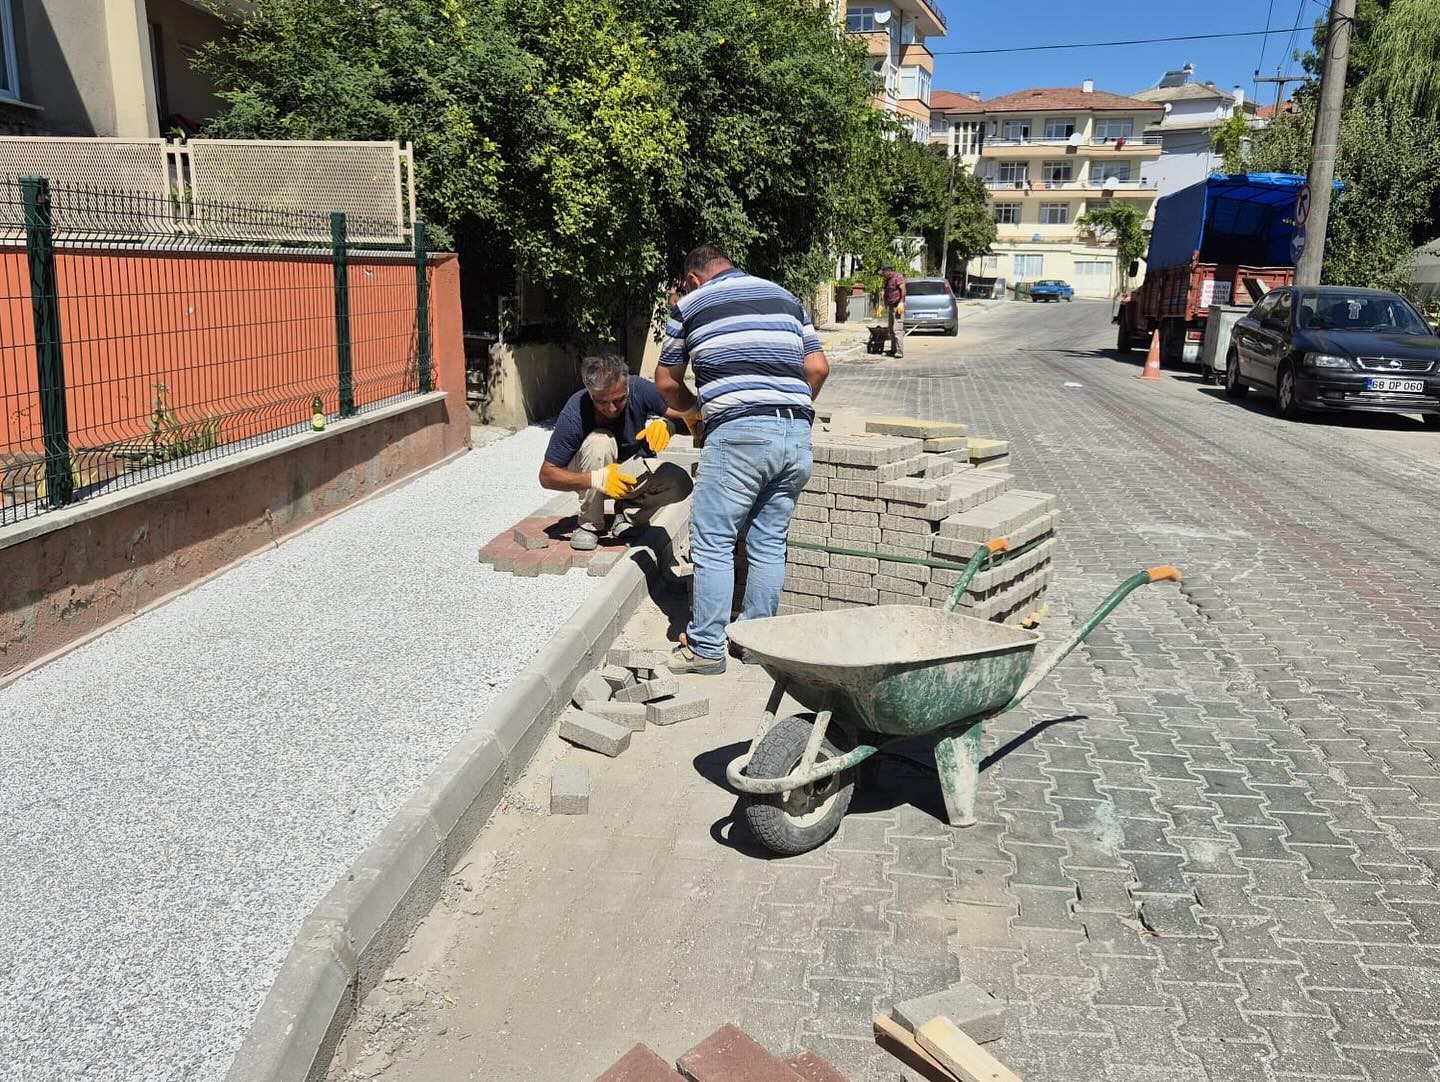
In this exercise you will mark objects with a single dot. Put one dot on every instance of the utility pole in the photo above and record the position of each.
(1326, 142)
(949, 210)
(1279, 81)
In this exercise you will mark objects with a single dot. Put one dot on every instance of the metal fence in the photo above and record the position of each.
(133, 344)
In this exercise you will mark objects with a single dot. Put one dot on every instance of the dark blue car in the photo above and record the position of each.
(1051, 289)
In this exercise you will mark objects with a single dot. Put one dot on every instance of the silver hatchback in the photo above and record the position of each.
(930, 305)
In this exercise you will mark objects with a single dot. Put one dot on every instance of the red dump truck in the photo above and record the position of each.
(1225, 240)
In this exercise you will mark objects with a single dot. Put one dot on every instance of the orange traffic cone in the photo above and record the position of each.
(1152, 359)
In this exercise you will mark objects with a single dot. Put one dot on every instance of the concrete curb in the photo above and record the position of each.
(349, 940)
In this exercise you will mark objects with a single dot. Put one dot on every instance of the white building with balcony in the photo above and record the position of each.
(1047, 156)
(1192, 112)
(895, 32)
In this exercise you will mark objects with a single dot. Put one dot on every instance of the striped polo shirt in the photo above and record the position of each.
(746, 340)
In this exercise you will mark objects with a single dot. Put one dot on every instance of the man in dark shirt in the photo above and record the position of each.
(617, 418)
(893, 289)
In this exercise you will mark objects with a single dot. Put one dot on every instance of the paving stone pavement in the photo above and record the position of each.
(1208, 846)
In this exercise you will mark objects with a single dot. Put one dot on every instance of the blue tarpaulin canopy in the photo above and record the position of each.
(1236, 218)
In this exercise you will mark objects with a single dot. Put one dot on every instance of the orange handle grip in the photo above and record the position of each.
(998, 545)
(1165, 572)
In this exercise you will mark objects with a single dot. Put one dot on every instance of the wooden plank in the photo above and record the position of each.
(960, 1055)
(900, 1043)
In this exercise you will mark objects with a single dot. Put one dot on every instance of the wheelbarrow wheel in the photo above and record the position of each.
(797, 821)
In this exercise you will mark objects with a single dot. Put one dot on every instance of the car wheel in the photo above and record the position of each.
(954, 330)
(1430, 420)
(1034, 299)
(1233, 387)
(1287, 403)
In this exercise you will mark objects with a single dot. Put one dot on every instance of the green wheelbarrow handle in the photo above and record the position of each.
(983, 555)
(1164, 573)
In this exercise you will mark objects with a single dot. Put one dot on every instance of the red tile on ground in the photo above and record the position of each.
(729, 1055)
(556, 560)
(814, 1067)
(640, 1064)
(532, 533)
(527, 564)
(505, 555)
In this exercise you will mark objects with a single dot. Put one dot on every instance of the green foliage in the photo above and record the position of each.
(1229, 141)
(972, 224)
(1388, 165)
(1403, 64)
(1120, 224)
(588, 142)
(171, 438)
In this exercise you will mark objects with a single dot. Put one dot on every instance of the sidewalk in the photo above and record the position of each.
(176, 796)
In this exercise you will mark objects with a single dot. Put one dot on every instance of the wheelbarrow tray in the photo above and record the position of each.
(897, 670)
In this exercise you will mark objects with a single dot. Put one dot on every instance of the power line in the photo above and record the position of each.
(1255, 86)
(1290, 41)
(1110, 44)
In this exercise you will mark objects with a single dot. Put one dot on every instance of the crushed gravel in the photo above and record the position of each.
(176, 796)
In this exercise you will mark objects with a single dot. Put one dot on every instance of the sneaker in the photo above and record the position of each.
(684, 660)
(584, 539)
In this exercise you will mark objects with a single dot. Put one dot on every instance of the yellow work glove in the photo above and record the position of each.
(900, 311)
(609, 480)
(692, 421)
(656, 434)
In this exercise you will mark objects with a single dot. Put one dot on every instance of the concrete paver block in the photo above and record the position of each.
(602, 560)
(973, 1009)
(915, 428)
(944, 443)
(730, 1055)
(570, 789)
(595, 733)
(955, 548)
(640, 1064)
(981, 449)
(530, 534)
(630, 715)
(660, 685)
(617, 676)
(813, 1067)
(593, 688)
(676, 708)
(635, 659)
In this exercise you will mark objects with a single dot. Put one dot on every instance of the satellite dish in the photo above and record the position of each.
(882, 16)
(1169, 106)
(1111, 184)
(1076, 139)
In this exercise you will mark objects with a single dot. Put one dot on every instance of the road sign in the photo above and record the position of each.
(1302, 205)
(1297, 245)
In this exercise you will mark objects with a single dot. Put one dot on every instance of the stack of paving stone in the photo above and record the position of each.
(632, 690)
(914, 489)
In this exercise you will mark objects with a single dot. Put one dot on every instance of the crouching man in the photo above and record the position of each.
(600, 441)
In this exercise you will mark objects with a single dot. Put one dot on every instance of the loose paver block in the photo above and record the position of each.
(729, 1055)
(640, 1064)
(813, 1067)
(630, 715)
(617, 676)
(980, 450)
(530, 534)
(676, 708)
(971, 1008)
(657, 687)
(588, 731)
(944, 443)
(570, 789)
(593, 688)
(634, 659)
(914, 428)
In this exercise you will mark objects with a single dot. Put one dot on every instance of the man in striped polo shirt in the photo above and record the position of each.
(758, 366)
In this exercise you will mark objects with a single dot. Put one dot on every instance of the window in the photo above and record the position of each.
(1057, 172)
(939, 123)
(968, 137)
(1007, 213)
(915, 83)
(1093, 205)
(1054, 213)
(1279, 316)
(1100, 172)
(1016, 173)
(1028, 267)
(1060, 127)
(907, 33)
(9, 76)
(861, 20)
(1016, 130)
(989, 264)
(1114, 129)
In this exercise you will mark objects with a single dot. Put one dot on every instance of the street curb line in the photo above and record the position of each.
(350, 938)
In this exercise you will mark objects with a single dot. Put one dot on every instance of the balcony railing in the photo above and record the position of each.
(935, 11)
(1090, 185)
(1127, 140)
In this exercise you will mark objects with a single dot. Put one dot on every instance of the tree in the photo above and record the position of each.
(1230, 141)
(1123, 226)
(1403, 66)
(1388, 166)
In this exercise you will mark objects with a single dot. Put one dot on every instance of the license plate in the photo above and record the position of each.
(1403, 386)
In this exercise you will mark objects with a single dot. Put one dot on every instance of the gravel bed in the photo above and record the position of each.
(176, 796)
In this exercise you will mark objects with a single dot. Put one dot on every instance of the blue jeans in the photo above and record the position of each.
(751, 473)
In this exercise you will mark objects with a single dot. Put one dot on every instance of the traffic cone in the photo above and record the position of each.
(1152, 359)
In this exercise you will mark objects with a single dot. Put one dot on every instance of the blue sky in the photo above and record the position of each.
(1227, 62)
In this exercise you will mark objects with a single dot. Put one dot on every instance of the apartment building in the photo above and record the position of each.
(1047, 156)
(1192, 113)
(118, 68)
(895, 32)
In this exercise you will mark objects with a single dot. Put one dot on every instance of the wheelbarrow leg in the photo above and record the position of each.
(957, 757)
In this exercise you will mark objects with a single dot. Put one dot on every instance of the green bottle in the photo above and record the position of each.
(317, 414)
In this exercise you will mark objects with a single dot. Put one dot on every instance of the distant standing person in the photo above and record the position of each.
(758, 366)
(893, 290)
(616, 419)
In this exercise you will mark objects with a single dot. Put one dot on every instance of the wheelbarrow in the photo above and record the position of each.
(878, 675)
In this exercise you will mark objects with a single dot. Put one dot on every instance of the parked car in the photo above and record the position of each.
(1051, 289)
(930, 305)
(1336, 348)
